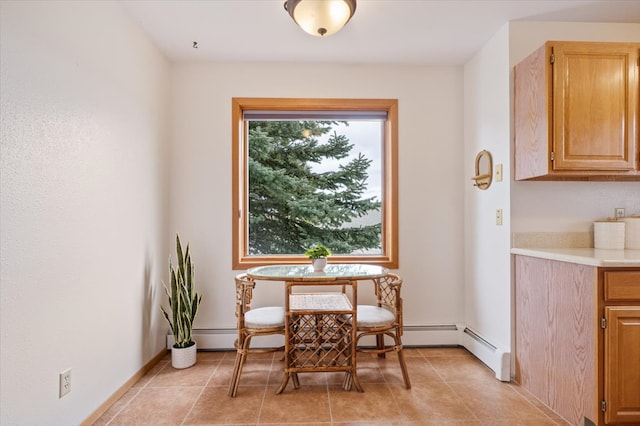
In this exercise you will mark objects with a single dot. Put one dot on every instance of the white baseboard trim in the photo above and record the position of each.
(497, 359)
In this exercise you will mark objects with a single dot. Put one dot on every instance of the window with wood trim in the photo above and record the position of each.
(314, 171)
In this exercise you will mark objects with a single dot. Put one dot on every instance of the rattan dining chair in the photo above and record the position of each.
(252, 322)
(384, 319)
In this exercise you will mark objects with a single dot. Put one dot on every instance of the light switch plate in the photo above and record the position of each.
(498, 216)
(498, 172)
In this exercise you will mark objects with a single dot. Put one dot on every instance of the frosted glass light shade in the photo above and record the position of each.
(321, 17)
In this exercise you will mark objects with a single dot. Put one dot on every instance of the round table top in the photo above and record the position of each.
(335, 271)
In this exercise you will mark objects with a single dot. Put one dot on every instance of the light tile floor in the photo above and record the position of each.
(449, 387)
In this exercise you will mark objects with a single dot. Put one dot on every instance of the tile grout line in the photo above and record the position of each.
(326, 384)
(526, 398)
(140, 388)
(125, 405)
(531, 404)
(446, 382)
(266, 387)
(452, 380)
(204, 387)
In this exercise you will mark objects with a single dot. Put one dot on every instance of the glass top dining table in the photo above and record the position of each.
(312, 332)
(335, 271)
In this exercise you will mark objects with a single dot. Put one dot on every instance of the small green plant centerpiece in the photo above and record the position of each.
(184, 302)
(318, 255)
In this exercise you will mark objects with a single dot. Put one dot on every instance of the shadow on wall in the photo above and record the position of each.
(148, 337)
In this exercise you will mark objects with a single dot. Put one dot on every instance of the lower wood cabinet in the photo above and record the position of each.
(622, 369)
(621, 358)
(578, 339)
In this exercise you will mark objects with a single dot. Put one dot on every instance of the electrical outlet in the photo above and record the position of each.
(498, 216)
(619, 213)
(65, 382)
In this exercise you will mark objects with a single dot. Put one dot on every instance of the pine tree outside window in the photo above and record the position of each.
(309, 171)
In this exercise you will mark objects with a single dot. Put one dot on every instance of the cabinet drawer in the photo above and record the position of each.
(622, 286)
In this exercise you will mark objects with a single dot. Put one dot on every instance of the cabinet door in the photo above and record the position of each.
(622, 365)
(595, 106)
(532, 115)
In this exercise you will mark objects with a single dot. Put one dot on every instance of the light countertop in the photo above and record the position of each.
(585, 256)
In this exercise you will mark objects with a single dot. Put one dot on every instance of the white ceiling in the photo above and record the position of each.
(443, 32)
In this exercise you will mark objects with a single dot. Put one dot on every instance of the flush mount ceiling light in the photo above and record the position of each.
(321, 17)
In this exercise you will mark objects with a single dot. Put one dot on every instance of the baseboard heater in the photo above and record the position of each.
(497, 359)
(414, 335)
(479, 338)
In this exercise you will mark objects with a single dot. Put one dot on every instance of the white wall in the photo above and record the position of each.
(487, 258)
(567, 206)
(86, 226)
(83, 219)
(527, 206)
(431, 175)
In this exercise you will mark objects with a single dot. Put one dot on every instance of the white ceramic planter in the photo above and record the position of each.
(183, 357)
(319, 264)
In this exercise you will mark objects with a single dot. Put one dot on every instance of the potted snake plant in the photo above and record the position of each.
(184, 302)
(318, 255)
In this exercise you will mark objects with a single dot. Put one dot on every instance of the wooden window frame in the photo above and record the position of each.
(389, 257)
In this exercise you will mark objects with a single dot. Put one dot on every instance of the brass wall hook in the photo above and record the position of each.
(484, 170)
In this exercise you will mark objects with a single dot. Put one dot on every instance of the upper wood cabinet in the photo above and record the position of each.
(577, 112)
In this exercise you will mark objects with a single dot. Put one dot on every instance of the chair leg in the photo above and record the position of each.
(380, 345)
(285, 381)
(296, 381)
(347, 382)
(241, 357)
(403, 365)
(351, 377)
(233, 385)
(350, 380)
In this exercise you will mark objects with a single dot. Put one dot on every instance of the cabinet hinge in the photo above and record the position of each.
(603, 405)
(603, 322)
(552, 59)
(553, 156)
